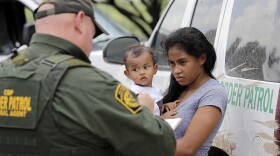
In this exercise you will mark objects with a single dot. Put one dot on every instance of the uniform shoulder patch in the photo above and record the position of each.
(124, 96)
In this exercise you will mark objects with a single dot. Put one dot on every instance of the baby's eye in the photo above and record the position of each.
(135, 69)
(146, 67)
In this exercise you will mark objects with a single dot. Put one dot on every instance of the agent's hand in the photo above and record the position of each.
(145, 99)
(169, 114)
(171, 105)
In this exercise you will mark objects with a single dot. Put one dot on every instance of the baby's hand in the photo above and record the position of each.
(171, 105)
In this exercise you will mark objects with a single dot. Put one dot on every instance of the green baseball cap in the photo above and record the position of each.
(70, 6)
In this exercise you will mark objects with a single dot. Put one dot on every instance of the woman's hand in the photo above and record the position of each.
(169, 114)
(171, 105)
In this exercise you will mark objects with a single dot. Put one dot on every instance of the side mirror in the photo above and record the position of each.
(115, 49)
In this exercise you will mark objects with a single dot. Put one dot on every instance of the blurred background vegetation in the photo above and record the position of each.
(137, 16)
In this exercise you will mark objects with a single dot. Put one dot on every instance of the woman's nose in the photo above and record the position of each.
(176, 69)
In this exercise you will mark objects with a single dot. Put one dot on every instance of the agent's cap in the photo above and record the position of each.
(70, 6)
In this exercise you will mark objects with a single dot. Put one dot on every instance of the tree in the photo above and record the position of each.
(143, 14)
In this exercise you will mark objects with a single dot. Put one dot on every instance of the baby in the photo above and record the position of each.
(140, 67)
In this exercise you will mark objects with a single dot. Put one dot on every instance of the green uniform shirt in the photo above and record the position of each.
(93, 108)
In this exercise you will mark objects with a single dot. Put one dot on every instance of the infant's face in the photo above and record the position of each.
(141, 69)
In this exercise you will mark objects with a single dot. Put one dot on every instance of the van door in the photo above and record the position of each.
(202, 14)
(248, 65)
(171, 20)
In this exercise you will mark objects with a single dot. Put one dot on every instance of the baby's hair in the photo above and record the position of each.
(136, 50)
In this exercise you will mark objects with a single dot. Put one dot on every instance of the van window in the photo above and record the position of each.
(206, 17)
(253, 40)
(171, 22)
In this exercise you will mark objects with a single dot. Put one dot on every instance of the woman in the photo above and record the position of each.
(202, 99)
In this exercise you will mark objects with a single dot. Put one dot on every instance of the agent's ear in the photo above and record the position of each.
(79, 18)
(202, 58)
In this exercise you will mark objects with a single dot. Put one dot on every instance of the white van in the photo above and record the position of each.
(246, 36)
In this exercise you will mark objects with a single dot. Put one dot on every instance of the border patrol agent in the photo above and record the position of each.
(53, 102)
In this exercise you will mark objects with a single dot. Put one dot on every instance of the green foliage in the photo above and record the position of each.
(28, 15)
(142, 16)
(123, 20)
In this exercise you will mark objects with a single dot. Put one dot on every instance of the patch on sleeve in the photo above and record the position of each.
(124, 96)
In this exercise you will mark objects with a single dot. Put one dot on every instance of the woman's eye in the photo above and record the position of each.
(182, 62)
(171, 63)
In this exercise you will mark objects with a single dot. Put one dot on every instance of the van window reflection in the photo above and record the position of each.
(253, 41)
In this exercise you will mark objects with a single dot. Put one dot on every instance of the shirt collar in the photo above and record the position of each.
(64, 46)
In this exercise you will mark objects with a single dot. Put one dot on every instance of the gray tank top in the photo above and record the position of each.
(210, 93)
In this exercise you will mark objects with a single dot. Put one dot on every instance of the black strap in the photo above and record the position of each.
(49, 64)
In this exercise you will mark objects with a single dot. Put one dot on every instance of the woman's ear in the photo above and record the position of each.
(202, 58)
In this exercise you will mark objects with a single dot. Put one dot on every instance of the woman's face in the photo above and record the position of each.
(186, 68)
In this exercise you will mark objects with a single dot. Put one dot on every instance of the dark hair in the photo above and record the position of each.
(194, 43)
(136, 50)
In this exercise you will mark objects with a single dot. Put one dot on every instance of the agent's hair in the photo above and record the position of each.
(137, 50)
(194, 43)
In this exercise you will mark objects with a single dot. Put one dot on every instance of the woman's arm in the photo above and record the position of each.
(202, 124)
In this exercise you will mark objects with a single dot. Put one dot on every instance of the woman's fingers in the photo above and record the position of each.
(173, 112)
(170, 114)
(177, 102)
(171, 105)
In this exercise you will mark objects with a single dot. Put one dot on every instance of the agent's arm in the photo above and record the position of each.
(104, 116)
(146, 100)
(134, 130)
